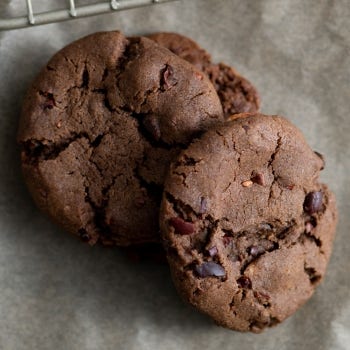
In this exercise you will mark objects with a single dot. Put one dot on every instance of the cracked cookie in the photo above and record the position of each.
(247, 226)
(99, 127)
(236, 93)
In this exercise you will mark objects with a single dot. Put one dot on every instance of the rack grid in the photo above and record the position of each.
(71, 11)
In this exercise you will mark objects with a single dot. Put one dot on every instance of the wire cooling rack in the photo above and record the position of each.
(71, 11)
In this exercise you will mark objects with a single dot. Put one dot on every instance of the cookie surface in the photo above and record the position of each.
(247, 226)
(99, 127)
(183, 47)
(236, 93)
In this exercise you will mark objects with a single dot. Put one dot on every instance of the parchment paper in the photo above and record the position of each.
(57, 293)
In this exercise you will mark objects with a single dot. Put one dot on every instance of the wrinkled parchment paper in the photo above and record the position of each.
(57, 293)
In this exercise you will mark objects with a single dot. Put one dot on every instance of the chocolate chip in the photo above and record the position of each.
(181, 226)
(49, 100)
(313, 202)
(246, 127)
(258, 179)
(203, 206)
(244, 282)
(210, 268)
(256, 250)
(167, 78)
(152, 126)
(213, 251)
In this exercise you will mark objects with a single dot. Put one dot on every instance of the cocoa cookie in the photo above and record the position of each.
(247, 226)
(183, 47)
(98, 129)
(236, 93)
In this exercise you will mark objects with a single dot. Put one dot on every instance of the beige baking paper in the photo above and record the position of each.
(57, 293)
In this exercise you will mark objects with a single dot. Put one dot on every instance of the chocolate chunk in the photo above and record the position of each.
(313, 202)
(167, 78)
(213, 251)
(152, 126)
(49, 100)
(210, 268)
(256, 250)
(258, 179)
(181, 226)
(203, 206)
(244, 282)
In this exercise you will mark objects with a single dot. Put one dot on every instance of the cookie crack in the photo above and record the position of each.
(99, 214)
(197, 95)
(42, 150)
(262, 298)
(106, 102)
(246, 264)
(270, 165)
(70, 61)
(201, 242)
(187, 160)
(153, 190)
(313, 239)
(239, 154)
(184, 211)
(85, 77)
(312, 274)
(149, 128)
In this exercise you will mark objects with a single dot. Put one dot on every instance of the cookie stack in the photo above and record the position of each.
(126, 141)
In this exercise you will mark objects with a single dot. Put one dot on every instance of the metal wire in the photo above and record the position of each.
(71, 11)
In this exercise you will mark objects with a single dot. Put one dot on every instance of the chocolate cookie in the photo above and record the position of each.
(247, 226)
(236, 93)
(98, 129)
(183, 47)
